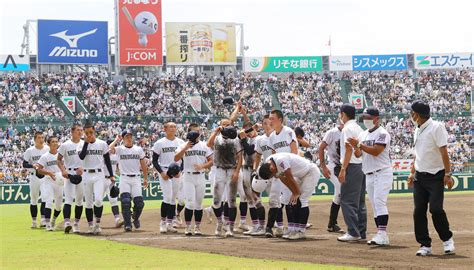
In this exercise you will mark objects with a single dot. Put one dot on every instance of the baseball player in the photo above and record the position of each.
(53, 182)
(95, 153)
(373, 145)
(131, 158)
(163, 155)
(331, 142)
(283, 140)
(228, 161)
(107, 185)
(301, 177)
(69, 163)
(30, 158)
(197, 158)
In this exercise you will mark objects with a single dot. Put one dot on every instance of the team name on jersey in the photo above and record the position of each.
(168, 149)
(369, 142)
(95, 152)
(195, 153)
(114, 162)
(51, 163)
(280, 144)
(35, 158)
(130, 156)
(71, 152)
(266, 148)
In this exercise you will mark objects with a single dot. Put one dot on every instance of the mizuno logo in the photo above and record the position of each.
(72, 39)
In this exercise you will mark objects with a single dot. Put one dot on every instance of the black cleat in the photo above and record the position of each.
(335, 229)
(68, 229)
(269, 233)
(128, 228)
(136, 223)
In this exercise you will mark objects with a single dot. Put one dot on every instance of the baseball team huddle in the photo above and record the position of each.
(239, 161)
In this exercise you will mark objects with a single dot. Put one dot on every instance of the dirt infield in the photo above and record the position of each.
(321, 246)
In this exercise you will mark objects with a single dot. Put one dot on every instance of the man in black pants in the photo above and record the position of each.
(430, 172)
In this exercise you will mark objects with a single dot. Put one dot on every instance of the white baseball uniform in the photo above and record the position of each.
(280, 143)
(71, 160)
(377, 169)
(94, 174)
(130, 167)
(166, 150)
(32, 155)
(225, 151)
(306, 174)
(53, 189)
(333, 138)
(263, 148)
(194, 182)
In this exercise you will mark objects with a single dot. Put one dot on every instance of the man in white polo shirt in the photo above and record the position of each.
(352, 179)
(430, 172)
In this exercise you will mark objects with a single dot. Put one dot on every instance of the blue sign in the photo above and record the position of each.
(72, 42)
(379, 62)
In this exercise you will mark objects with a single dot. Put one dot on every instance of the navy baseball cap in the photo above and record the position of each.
(370, 111)
(126, 132)
(420, 107)
(348, 109)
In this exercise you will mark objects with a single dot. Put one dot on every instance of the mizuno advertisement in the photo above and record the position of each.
(72, 42)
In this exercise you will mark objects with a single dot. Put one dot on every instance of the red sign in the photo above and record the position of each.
(140, 33)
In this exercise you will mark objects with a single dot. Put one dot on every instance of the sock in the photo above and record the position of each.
(279, 217)
(290, 217)
(218, 213)
(333, 214)
(243, 211)
(115, 211)
(33, 211)
(180, 208)
(261, 216)
(98, 213)
(56, 214)
(272, 216)
(66, 212)
(171, 213)
(376, 222)
(47, 214)
(226, 213)
(188, 216)
(197, 217)
(382, 223)
(254, 215)
(89, 215)
(303, 218)
(43, 210)
(78, 213)
(232, 215)
(164, 211)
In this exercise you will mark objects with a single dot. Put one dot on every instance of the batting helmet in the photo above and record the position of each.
(173, 170)
(192, 136)
(74, 179)
(229, 132)
(299, 132)
(259, 185)
(114, 191)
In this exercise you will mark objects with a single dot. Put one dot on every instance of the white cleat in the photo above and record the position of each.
(197, 230)
(424, 251)
(243, 227)
(380, 239)
(218, 231)
(90, 230)
(163, 228)
(75, 228)
(309, 225)
(49, 228)
(252, 230)
(53, 224)
(296, 235)
(188, 231)
(97, 229)
(34, 225)
(170, 228)
(118, 223)
(260, 232)
(348, 238)
(67, 227)
(448, 247)
(229, 231)
(42, 223)
(286, 234)
(279, 231)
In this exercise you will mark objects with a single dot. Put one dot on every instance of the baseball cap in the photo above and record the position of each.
(348, 109)
(370, 111)
(420, 107)
(126, 132)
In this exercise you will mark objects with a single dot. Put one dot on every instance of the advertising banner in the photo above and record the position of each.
(14, 62)
(202, 43)
(379, 62)
(446, 60)
(340, 63)
(72, 42)
(283, 64)
(140, 37)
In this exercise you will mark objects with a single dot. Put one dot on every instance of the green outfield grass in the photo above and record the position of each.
(24, 248)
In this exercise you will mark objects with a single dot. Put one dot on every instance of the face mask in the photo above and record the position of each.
(369, 124)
